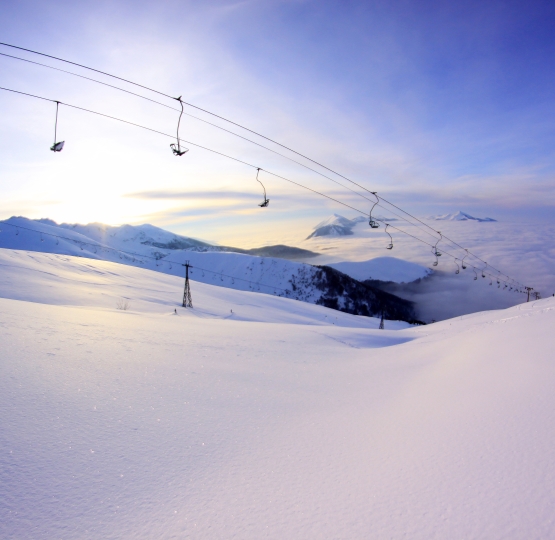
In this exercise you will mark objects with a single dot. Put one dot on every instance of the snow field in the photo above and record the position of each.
(144, 424)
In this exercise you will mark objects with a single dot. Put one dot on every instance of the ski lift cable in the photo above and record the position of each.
(216, 126)
(228, 131)
(198, 146)
(171, 97)
(156, 259)
(223, 155)
(234, 123)
(206, 122)
(127, 122)
(196, 118)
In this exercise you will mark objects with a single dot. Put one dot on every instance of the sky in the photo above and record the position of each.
(438, 106)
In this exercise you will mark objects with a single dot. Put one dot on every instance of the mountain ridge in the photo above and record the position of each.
(271, 275)
(461, 216)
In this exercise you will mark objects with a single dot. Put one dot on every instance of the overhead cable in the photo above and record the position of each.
(229, 121)
(226, 156)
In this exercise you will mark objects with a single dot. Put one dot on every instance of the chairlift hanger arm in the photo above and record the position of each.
(266, 201)
(371, 221)
(390, 246)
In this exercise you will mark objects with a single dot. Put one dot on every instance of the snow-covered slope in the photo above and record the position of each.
(75, 281)
(145, 424)
(460, 216)
(130, 237)
(142, 239)
(383, 269)
(142, 247)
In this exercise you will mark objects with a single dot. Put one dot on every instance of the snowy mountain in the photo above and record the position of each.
(460, 216)
(383, 269)
(124, 236)
(335, 225)
(143, 247)
(252, 416)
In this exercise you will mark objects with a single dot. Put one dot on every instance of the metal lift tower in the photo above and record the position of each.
(187, 300)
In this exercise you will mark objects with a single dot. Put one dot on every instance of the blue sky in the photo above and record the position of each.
(439, 106)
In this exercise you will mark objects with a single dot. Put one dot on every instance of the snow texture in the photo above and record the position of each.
(275, 420)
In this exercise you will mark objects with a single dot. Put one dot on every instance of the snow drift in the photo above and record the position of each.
(146, 424)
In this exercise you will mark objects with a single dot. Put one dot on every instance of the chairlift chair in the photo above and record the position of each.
(435, 251)
(57, 146)
(266, 201)
(457, 270)
(371, 221)
(390, 245)
(475, 274)
(176, 147)
(462, 262)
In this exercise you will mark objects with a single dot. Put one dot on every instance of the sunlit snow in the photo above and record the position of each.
(252, 416)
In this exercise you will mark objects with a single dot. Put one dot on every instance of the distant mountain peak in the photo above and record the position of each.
(460, 216)
(335, 225)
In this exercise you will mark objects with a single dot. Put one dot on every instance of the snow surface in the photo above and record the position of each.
(266, 423)
(270, 275)
(226, 269)
(383, 269)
